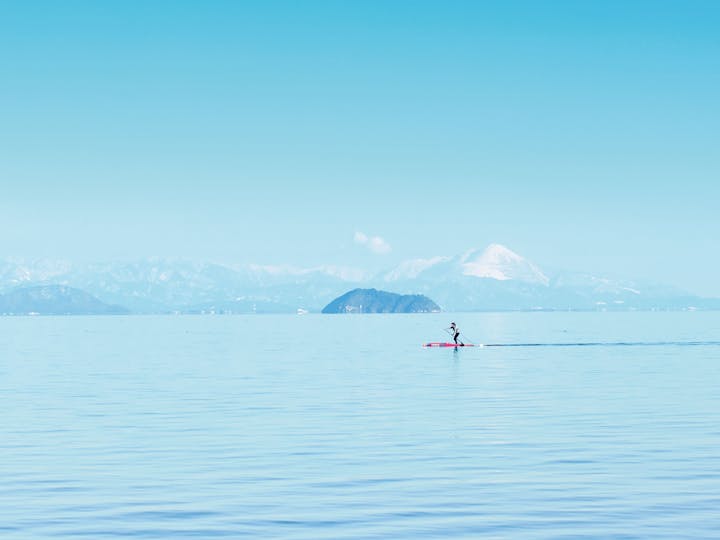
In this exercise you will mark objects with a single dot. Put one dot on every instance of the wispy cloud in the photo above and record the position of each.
(376, 244)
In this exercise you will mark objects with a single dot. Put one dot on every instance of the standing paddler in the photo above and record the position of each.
(455, 333)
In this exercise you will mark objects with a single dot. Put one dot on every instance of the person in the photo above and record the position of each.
(455, 333)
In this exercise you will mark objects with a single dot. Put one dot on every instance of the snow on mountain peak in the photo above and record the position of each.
(343, 273)
(412, 268)
(501, 263)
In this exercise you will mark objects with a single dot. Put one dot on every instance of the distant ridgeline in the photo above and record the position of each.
(374, 301)
(493, 279)
(54, 300)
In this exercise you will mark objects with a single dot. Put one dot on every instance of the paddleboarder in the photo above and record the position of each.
(455, 333)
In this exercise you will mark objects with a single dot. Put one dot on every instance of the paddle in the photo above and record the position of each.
(452, 335)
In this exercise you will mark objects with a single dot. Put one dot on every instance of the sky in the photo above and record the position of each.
(582, 135)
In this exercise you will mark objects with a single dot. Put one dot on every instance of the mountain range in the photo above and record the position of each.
(54, 300)
(489, 279)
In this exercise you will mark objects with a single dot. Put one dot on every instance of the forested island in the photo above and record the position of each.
(375, 301)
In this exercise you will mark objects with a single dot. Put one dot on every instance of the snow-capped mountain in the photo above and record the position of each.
(496, 278)
(493, 278)
(412, 268)
(498, 262)
(494, 262)
(16, 272)
(165, 285)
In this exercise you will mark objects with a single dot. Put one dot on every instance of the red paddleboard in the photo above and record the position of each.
(441, 344)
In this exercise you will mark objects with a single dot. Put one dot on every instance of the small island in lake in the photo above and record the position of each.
(374, 301)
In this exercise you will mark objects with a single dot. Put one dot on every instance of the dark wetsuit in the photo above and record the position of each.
(456, 333)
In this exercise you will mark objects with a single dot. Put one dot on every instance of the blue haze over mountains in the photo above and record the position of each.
(494, 278)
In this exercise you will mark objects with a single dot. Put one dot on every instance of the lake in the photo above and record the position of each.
(344, 427)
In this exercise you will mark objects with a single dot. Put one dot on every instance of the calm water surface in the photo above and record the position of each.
(344, 427)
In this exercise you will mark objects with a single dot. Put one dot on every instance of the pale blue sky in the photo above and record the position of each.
(583, 135)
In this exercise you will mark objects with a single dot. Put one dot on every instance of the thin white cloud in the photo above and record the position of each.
(376, 244)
